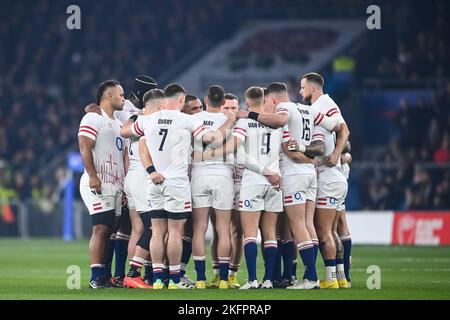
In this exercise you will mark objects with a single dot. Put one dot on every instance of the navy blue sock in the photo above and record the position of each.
(97, 273)
(270, 254)
(148, 275)
(175, 273)
(277, 267)
(166, 275)
(224, 265)
(294, 269)
(121, 255)
(251, 253)
(187, 251)
(347, 253)
(307, 255)
(200, 267)
(109, 257)
(288, 256)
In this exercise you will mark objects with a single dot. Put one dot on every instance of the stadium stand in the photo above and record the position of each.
(49, 74)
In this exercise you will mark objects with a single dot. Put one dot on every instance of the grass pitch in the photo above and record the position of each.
(36, 269)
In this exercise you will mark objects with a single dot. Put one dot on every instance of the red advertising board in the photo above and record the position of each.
(421, 228)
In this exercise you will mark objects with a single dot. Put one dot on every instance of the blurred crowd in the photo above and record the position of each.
(49, 73)
(416, 172)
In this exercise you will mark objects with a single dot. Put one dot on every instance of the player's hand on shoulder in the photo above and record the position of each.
(157, 178)
(93, 108)
(95, 184)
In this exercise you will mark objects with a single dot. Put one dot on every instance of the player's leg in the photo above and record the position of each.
(340, 274)
(142, 251)
(277, 272)
(311, 195)
(223, 221)
(137, 228)
(236, 249)
(213, 250)
(223, 200)
(158, 246)
(288, 249)
(121, 245)
(310, 210)
(250, 222)
(175, 246)
(187, 248)
(102, 224)
(268, 232)
(103, 215)
(200, 218)
(323, 221)
(344, 234)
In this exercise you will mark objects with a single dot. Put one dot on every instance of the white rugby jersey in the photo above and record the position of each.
(108, 148)
(220, 165)
(263, 144)
(168, 137)
(302, 123)
(133, 143)
(328, 107)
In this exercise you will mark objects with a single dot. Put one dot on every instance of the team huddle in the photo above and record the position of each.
(158, 168)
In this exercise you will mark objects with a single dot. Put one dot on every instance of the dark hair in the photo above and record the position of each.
(230, 96)
(315, 78)
(102, 88)
(153, 94)
(173, 90)
(215, 95)
(142, 84)
(276, 87)
(254, 93)
(190, 97)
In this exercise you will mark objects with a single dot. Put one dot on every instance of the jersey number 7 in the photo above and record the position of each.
(163, 132)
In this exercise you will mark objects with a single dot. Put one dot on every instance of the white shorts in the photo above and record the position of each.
(173, 195)
(213, 191)
(299, 188)
(237, 192)
(341, 205)
(135, 188)
(110, 199)
(331, 194)
(260, 197)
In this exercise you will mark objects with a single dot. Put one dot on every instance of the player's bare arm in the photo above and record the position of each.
(341, 141)
(147, 162)
(86, 145)
(315, 149)
(272, 120)
(126, 132)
